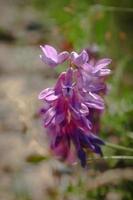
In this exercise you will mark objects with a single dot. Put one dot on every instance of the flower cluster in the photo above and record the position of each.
(72, 107)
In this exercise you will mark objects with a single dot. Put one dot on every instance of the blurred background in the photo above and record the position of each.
(27, 170)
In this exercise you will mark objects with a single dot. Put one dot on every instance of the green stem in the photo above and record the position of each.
(112, 157)
(118, 157)
(116, 146)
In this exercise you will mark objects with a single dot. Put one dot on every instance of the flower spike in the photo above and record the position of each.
(72, 108)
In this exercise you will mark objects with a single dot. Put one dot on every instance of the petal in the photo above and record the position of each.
(50, 52)
(67, 91)
(49, 116)
(81, 58)
(86, 123)
(74, 112)
(48, 61)
(95, 105)
(94, 101)
(95, 139)
(59, 118)
(82, 156)
(51, 97)
(88, 68)
(63, 56)
(73, 55)
(63, 148)
(68, 77)
(58, 140)
(85, 141)
(84, 109)
(45, 93)
(98, 150)
(95, 96)
(101, 64)
(58, 86)
(105, 72)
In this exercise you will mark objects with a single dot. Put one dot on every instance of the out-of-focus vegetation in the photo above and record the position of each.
(27, 170)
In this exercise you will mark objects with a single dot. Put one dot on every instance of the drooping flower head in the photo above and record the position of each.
(70, 106)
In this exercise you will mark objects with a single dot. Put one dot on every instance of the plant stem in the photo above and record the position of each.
(116, 146)
(113, 157)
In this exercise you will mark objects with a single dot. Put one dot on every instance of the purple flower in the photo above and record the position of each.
(51, 57)
(92, 75)
(72, 108)
(65, 109)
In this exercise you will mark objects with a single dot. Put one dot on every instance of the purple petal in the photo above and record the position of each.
(94, 101)
(49, 56)
(59, 118)
(101, 64)
(67, 91)
(58, 140)
(49, 116)
(95, 96)
(84, 109)
(98, 150)
(50, 52)
(95, 105)
(63, 56)
(82, 156)
(85, 141)
(45, 93)
(51, 97)
(105, 72)
(48, 61)
(88, 68)
(68, 78)
(58, 86)
(74, 112)
(80, 59)
(86, 123)
(95, 139)
(73, 55)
